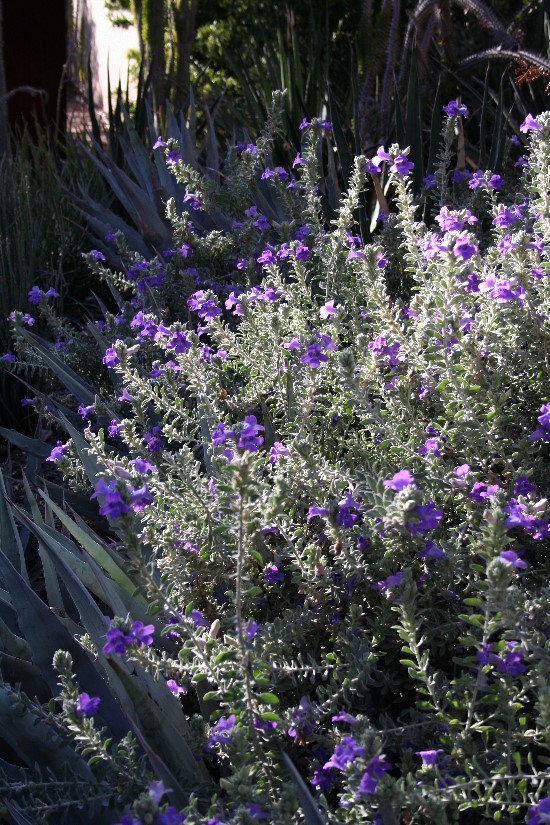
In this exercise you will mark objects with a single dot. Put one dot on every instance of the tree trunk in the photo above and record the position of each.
(155, 15)
(186, 18)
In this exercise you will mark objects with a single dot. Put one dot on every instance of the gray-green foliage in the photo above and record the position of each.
(254, 478)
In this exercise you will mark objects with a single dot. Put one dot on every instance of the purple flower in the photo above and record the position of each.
(170, 817)
(327, 310)
(401, 165)
(464, 248)
(391, 581)
(117, 641)
(511, 557)
(523, 486)
(249, 438)
(345, 517)
(272, 574)
(344, 754)
(429, 757)
(173, 686)
(140, 498)
(220, 434)
(544, 419)
(256, 811)
(454, 108)
(429, 181)
(160, 143)
(302, 253)
(380, 156)
(58, 451)
(35, 295)
(97, 255)
(114, 505)
(426, 518)
(87, 705)
(316, 511)
(342, 716)
(250, 629)
(198, 619)
(110, 359)
(314, 356)
(8, 357)
(511, 663)
(495, 182)
(142, 634)
(219, 733)
(84, 411)
(431, 551)
(539, 814)
(399, 481)
(505, 218)
(277, 451)
(430, 447)
(530, 125)
(376, 767)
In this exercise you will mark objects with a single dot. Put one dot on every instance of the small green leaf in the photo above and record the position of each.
(269, 698)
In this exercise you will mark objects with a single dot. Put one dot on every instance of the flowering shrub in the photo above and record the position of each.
(326, 471)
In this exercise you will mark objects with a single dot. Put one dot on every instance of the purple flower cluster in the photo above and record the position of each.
(385, 353)
(204, 305)
(118, 641)
(510, 661)
(115, 504)
(543, 429)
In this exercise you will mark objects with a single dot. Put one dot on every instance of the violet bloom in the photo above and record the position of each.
(219, 735)
(250, 629)
(454, 108)
(376, 767)
(399, 481)
(272, 574)
(110, 359)
(97, 255)
(539, 814)
(117, 641)
(142, 634)
(401, 166)
(530, 125)
(302, 253)
(35, 295)
(277, 451)
(464, 248)
(249, 437)
(495, 182)
(430, 448)
(512, 663)
(523, 486)
(87, 705)
(114, 506)
(426, 518)
(327, 310)
(174, 688)
(58, 451)
(431, 551)
(198, 619)
(511, 557)
(344, 754)
(380, 156)
(220, 435)
(316, 511)
(314, 356)
(429, 757)
(345, 517)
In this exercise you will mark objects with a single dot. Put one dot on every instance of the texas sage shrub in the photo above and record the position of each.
(325, 466)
